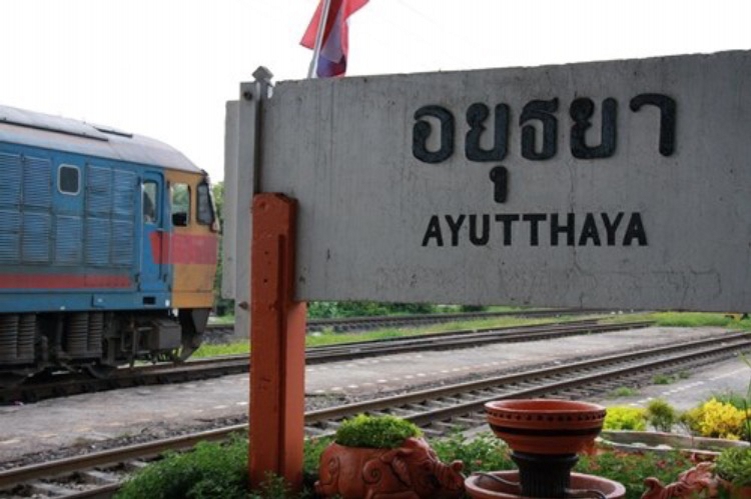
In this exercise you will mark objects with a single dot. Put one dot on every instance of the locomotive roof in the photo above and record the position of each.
(54, 132)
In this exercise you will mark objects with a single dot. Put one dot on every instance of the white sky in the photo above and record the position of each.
(165, 68)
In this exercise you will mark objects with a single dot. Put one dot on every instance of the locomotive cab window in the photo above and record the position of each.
(69, 179)
(205, 208)
(150, 202)
(180, 204)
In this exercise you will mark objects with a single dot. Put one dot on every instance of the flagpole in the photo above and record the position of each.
(319, 37)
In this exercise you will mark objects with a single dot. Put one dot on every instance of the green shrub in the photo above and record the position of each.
(661, 415)
(209, 471)
(625, 418)
(735, 399)
(214, 470)
(632, 469)
(375, 431)
(623, 391)
(662, 379)
(734, 465)
(331, 309)
(715, 419)
(314, 447)
(484, 452)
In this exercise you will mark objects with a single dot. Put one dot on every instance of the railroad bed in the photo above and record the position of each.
(66, 384)
(439, 409)
(223, 332)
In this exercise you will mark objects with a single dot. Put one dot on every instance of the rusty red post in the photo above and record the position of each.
(277, 358)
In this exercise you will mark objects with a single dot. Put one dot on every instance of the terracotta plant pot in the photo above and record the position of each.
(542, 426)
(412, 470)
(545, 436)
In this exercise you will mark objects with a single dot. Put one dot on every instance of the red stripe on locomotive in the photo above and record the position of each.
(183, 249)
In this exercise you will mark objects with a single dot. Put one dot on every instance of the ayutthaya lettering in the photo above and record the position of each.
(536, 229)
(539, 129)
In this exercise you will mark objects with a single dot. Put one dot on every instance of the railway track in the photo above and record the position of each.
(437, 411)
(66, 384)
(402, 321)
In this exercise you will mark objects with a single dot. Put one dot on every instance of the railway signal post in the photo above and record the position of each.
(277, 357)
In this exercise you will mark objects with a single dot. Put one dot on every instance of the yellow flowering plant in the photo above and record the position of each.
(716, 419)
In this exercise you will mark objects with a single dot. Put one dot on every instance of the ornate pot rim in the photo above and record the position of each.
(545, 426)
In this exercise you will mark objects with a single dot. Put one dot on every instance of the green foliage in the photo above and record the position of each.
(217, 349)
(625, 418)
(661, 415)
(386, 432)
(273, 487)
(748, 390)
(632, 469)
(734, 465)
(662, 379)
(730, 397)
(217, 471)
(484, 452)
(692, 319)
(210, 471)
(314, 447)
(214, 470)
(623, 391)
(332, 309)
(221, 305)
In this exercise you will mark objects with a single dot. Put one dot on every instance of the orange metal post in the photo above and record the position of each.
(277, 358)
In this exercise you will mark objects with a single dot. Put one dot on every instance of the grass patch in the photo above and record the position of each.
(216, 350)
(623, 391)
(685, 319)
(663, 379)
(329, 337)
(694, 319)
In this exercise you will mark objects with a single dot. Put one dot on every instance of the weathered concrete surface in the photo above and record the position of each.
(376, 219)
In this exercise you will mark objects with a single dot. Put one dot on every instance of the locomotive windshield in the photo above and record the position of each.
(149, 202)
(205, 213)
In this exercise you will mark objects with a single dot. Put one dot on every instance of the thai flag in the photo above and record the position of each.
(332, 54)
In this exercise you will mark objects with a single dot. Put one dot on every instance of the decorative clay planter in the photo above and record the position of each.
(412, 470)
(544, 435)
(542, 426)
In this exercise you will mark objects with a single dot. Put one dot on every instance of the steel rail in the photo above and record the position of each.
(469, 339)
(71, 383)
(366, 323)
(456, 408)
(729, 343)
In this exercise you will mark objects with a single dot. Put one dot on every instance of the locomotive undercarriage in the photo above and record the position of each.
(96, 342)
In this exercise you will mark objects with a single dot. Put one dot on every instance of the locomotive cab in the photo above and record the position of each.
(108, 248)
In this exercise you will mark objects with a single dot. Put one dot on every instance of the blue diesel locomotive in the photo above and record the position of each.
(108, 247)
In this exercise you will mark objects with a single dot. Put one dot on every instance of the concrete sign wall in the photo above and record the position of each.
(614, 184)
